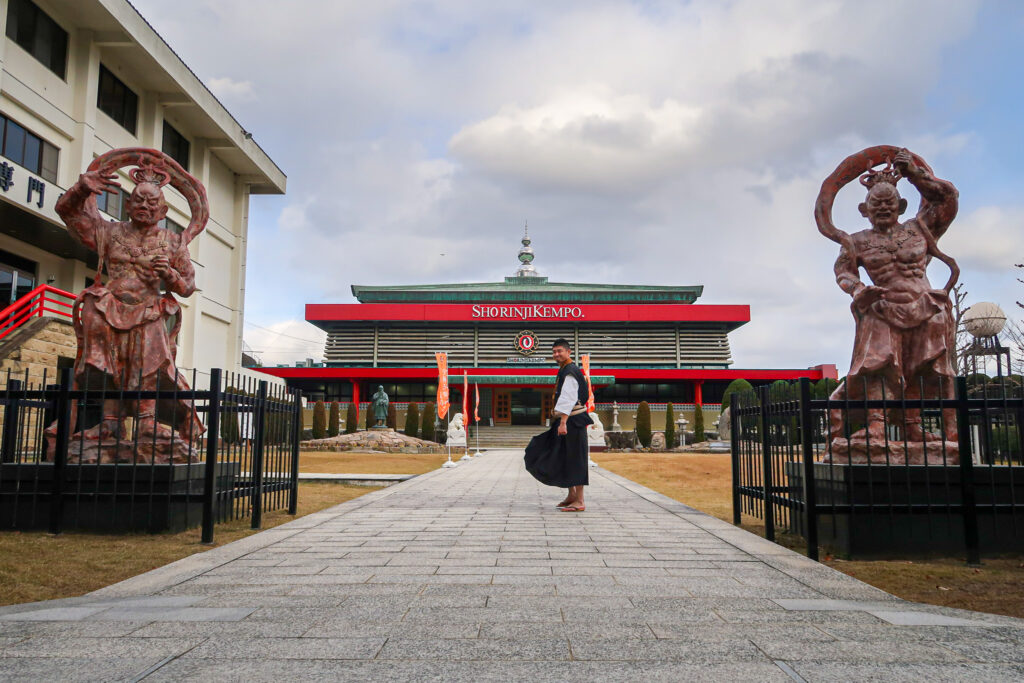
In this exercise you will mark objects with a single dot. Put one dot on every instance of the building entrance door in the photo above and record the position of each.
(502, 407)
(547, 404)
(526, 407)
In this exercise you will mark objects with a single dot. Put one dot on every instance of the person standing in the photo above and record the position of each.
(558, 457)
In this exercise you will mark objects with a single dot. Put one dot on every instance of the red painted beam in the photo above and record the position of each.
(427, 373)
(524, 313)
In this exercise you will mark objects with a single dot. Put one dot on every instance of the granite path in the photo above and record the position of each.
(471, 574)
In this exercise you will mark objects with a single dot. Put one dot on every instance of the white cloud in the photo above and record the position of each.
(661, 143)
(232, 90)
(285, 341)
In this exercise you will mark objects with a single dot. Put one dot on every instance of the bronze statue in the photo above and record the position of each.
(904, 327)
(127, 326)
(380, 406)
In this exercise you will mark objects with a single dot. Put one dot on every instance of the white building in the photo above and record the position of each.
(80, 78)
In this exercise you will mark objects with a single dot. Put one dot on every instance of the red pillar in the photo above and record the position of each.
(355, 396)
(698, 397)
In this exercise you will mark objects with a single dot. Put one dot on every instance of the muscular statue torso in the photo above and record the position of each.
(896, 260)
(130, 256)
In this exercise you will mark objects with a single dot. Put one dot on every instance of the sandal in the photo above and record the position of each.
(573, 508)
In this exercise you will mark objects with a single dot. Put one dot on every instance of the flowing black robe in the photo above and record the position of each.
(558, 460)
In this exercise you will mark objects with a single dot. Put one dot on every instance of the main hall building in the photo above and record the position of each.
(650, 343)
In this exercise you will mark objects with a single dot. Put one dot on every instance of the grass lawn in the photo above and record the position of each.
(351, 462)
(37, 566)
(705, 482)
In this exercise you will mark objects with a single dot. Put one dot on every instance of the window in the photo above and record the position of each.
(117, 101)
(29, 150)
(114, 204)
(175, 145)
(38, 34)
(17, 278)
(168, 224)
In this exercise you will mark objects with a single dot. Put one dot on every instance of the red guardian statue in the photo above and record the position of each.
(127, 325)
(904, 327)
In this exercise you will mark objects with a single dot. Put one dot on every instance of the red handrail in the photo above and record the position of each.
(34, 304)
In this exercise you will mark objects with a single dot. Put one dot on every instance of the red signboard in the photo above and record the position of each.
(736, 314)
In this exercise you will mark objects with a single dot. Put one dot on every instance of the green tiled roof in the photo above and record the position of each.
(528, 290)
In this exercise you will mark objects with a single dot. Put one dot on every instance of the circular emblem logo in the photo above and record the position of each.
(526, 342)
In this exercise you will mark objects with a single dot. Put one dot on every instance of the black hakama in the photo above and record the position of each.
(558, 460)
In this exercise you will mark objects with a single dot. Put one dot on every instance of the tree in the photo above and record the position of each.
(643, 424)
(412, 420)
(319, 420)
(392, 419)
(368, 420)
(824, 387)
(427, 421)
(334, 420)
(698, 423)
(737, 386)
(962, 339)
(351, 419)
(670, 426)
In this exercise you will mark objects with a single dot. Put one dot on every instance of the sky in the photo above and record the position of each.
(646, 142)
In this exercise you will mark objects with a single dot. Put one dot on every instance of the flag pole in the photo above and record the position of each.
(442, 397)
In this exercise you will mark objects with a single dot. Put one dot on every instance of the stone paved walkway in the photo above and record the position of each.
(471, 574)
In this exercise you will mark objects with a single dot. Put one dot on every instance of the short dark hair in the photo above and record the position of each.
(561, 341)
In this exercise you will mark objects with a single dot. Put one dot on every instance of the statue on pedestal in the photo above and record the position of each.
(904, 327)
(127, 325)
(595, 431)
(380, 407)
(616, 427)
(456, 431)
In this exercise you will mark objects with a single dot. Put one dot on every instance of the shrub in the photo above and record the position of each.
(643, 424)
(441, 433)
(670, 427)
(368, 420)
(698, 423)
(824, 387)
(319, 420)
(334, 420)
(229, 431)
(351, 419)
(392, 418)
(412, 420)
(427, 421)
(737, 386)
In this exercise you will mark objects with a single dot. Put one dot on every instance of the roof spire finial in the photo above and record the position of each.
(526, 268)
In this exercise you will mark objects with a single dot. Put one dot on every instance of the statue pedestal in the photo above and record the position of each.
(858, 451)
(381, 428)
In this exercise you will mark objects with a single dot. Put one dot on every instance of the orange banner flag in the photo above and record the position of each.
(465, 397)
(476, 408)
(585, 362)
(442, 384)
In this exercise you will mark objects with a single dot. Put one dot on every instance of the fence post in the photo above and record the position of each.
(810, 489)
(9, 446)
(257, 454)
(212, 442)
(60, 454)
(293, 497)
(734, 450)
(766, 467)
(967, 494)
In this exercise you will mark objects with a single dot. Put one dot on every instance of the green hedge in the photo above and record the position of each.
(643, 424)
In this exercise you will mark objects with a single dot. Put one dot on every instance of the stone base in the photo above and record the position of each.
(380, 440)
(110, 498)
(381, 428)
(859, 451)
(924, 520)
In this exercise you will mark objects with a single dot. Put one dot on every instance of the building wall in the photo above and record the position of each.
(65, 114)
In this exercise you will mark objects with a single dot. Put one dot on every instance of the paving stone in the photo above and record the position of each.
(471, 574)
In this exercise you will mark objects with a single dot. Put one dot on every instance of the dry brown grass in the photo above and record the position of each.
(705, 482)
(351, 462)
(37, 566)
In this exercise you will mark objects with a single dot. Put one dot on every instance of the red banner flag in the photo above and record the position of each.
(585, 362)
(476, 408)
(465, 397)
(442, 384)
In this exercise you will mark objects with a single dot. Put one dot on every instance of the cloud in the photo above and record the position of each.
(659, 143)
(285, 341)
(232, 90)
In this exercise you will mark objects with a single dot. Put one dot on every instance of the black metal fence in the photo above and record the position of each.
(66, 464)
(895, 476)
